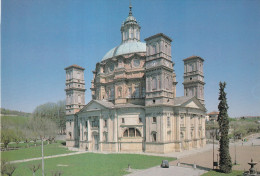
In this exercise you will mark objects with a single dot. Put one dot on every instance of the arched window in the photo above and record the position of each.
(126, 133)
(168, 122)
(79, 99)
(154, 136)
(132, 132)
(138, 134)
(105, 137)
(70, 134)
(132, 34)
(167, 82)
(182, 135)
(154, 49)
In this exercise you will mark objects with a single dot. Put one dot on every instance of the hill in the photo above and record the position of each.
(8, 112)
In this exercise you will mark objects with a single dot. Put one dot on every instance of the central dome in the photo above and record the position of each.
(130, 32)
(126, 48)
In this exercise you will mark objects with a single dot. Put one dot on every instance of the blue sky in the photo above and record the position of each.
(40, 38)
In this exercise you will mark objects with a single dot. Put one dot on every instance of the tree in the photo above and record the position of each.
(225, 159)
(7, 168)
(7, 136)
(44, 128)
(34, 168)
(53, 111)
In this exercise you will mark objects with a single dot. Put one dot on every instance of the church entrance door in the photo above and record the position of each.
(96, 139)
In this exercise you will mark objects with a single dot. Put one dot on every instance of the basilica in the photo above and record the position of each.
(134, 107)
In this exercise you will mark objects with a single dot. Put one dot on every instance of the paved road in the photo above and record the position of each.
(172, 170)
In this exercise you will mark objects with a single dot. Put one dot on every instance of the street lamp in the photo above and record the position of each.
(235, 163)
(213, 134)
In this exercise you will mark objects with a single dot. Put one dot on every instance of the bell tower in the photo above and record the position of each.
(75, 89)
(194, 78)
(160, 76)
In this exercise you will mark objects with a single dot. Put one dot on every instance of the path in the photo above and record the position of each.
(46, 157)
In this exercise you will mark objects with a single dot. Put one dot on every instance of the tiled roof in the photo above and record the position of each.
(213, 113)
(180, 100)
(193, 57)
(105, 103)
(128, 105)
(74, 66)
(157, 35)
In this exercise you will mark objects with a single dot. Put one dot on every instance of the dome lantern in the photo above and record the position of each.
(130, 29)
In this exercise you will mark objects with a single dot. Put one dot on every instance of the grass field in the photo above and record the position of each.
(15, 119)
(93, 164)
(24, 145)
(34, 152)
(214, 173)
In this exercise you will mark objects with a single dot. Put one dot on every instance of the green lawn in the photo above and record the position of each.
(24, 145)
(15, 119)
(33, 152)
(214, 173)
(93, 164)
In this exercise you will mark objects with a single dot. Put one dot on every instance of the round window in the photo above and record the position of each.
(136, 62)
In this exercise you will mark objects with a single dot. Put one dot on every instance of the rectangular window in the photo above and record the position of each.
(129, 92)
(105, 136)
(154, 119)
(123, 120)
(95, 123)
(105, 123)
(154, 83)
(154, 137)
(168, 122)
(131, 132)
(136, 91)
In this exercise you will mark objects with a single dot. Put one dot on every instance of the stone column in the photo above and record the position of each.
(163, 128)
(100, 132)
(89, 135)
(188, 130)
(196, 127)
(177, 133)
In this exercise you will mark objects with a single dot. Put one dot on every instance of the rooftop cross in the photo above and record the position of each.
(130, 8)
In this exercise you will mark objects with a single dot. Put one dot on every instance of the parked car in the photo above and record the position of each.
(165, 164)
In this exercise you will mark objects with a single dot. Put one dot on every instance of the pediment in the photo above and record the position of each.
(193, 103)
(93, 105)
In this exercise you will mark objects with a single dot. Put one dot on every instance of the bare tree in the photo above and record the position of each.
(34, 168)
(7, 168)
(44, 128)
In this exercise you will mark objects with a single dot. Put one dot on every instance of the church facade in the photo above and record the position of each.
(134, 107)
